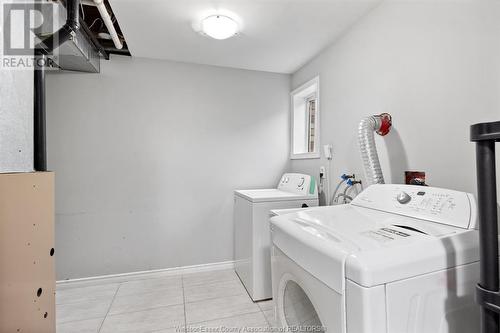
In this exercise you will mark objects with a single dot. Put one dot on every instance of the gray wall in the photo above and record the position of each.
(435, 66)
(147, 154)
(16, 120)
(16, 114)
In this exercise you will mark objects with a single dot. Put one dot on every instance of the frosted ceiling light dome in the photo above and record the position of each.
(219, 26)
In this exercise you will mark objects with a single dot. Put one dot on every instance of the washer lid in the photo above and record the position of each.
(276, 212)
(268, 195)
(369, 246)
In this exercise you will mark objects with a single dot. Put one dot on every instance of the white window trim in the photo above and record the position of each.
(317, 153)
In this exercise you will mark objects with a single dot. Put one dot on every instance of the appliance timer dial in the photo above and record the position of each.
(403, 198)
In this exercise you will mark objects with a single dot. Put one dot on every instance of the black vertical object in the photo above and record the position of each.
(42, 50)
(40, 140)
(487, 293)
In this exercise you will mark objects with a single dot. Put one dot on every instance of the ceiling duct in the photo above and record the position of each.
(78, 54)
(76, 49)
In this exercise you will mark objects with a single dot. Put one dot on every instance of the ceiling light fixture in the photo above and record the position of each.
(219, 26)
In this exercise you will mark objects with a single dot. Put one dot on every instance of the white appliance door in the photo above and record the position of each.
(439, 302)
(302, 302)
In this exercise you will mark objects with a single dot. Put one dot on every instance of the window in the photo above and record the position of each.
(305, 121)
(311, 122)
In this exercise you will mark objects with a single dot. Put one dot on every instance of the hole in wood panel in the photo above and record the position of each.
(39, 292)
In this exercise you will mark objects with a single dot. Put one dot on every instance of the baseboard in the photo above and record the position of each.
(150, 274)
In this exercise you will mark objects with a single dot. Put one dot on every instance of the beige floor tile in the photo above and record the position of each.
(82, 326)
(251, 322)
(83, 310)
(150, 285)
(145, 301)
(145, 321)
(207, 291)
(193, 279)
(171, 330)
(156, 305)
(219, 308)
(64, 285)
(85, 294)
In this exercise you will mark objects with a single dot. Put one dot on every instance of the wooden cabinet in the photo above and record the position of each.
(27, 272)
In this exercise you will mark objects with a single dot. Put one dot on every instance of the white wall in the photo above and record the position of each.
(16, 111)
(435, 66)
(16, 120)
(147, 154)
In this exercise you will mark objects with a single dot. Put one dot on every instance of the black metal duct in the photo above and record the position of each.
(488, 289)
(43, 49)
(69, 28)
(40, 144)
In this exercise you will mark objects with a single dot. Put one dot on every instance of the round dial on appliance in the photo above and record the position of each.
(403, 198)
(301, 182)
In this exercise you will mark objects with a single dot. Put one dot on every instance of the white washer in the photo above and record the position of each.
(252, 241)
(277, 212)
(378, 264)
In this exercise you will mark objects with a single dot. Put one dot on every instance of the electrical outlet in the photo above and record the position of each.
(322, 171)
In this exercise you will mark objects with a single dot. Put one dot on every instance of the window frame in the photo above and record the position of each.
(316, 153)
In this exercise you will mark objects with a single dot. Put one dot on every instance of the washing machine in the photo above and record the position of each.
(252, 240)
(399, 258)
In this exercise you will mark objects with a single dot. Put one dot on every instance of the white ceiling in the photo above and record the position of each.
(277, 35)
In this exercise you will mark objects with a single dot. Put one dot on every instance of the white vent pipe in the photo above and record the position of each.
(366, 138)
(107, 20)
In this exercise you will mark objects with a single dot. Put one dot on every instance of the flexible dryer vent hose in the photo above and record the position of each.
(381, 124)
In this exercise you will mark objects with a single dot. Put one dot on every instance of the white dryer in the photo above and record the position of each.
(399, 258)
(252, 240)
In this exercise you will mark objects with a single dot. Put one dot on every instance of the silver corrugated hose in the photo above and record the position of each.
(366, 139)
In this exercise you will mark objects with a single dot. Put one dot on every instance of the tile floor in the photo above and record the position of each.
(161, 304)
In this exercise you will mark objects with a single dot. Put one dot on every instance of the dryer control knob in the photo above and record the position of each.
(403, 198)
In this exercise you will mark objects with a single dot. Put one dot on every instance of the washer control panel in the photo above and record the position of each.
(428, 203)
(298, 183)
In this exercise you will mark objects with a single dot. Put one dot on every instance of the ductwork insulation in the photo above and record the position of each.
(366, 138)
